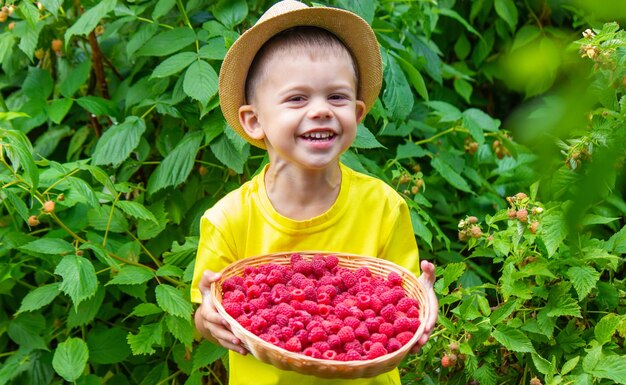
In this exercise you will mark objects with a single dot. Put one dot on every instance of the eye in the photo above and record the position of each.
(296, 99)
(339, 97)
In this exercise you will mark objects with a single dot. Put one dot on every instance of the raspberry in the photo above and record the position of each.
(348, 278)
(393, 344)
(372, 324)
(394, 279)
(317, 334)
(363, 272)
(272, 339)
(259, 303)
(33, 221)
(353, 322)
(293, 345)
(334, 325)
(387, 329)
(413, 312)
(298, 294)
(342, 311)
(282, 320)
(357, 313)
(260, 278)
(303, 267)
(323, 298)
(249, 271)
(285, 310)
(404, 304)
(268, 315)
(286, 332)
(312, 352)
(303, 336)
(309, 306)
(375, 303)
(346, 334)
(387, 297)
(522, 215)
(234, 296)
(295, 325)
(376, 350)
(253, 291)
(297, 279)
(310, 292)
(244, 321)
(275, 277)
(295, 258)
(322, 346)
(355, 346)
(404, 337)
(414, 324)
(334, 341)
(258, 324)
(362, 333)
(446, 362)
(248, 309)
(352, 355)
(329, 354)
(232, 283)
(331, 261)
(369, 313)
(402, 324)
(323, 310)
(379, 337)
(319, 266)
(233, 309)
(388, 312)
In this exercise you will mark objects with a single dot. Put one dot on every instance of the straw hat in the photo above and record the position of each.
(351, 29)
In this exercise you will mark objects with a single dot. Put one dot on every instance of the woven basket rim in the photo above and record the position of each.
(330, 368)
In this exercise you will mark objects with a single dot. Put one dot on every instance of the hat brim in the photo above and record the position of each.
(351, 29)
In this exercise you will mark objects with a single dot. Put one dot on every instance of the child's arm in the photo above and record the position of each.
(427, 279)
(209, 322)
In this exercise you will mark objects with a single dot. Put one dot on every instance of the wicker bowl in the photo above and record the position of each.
(286, 360)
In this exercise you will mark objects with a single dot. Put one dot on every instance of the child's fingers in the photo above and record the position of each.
(208, 277)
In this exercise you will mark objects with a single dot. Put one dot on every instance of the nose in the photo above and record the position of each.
(319, 109)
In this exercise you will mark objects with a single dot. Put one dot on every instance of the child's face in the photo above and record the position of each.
(305, 109)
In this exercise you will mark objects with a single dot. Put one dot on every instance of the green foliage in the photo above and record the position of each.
(109, 109)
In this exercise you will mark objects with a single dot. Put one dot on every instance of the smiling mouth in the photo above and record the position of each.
(318, 135)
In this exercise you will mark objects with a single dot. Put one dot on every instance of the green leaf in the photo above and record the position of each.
(365, 9)
(142, 342)
(107, 346)
(18, 204)
(39, 297)
(225, 150)
(553, 230)
(117, 143)
(136, 210)
(48, 246)
(450, 175)
(416, 79)
(104, 219)
(174, 64)
(584, 279)
(594, 219)
(463, 88)
(526, 35)
(131, 275)
(52, 6)
(169, 271)
(446, 111)
(230, 12)
(544, 366)
(26, 329)
(75, 79)
(397, 96)
(181, 329)
(200, 82)
(168, 42)
(86, 312)
(57, 109)
(606, 327)
(162, 7)
(206, 354)
(560, 302)
(365, 139)
(89, 19)
(507, 10)
(214, 49)
(486, 375)
(70, 358)
(79, 278)
(513, 339)
(172, 301)
(20, 154)
(146, 309)
(477, 122)
(454, 15)
(38, 84)
(570, 365)
(612, 367)
(501, 313)
(97, 105)
(177, 165)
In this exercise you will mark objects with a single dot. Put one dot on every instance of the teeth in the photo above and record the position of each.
(318, 135)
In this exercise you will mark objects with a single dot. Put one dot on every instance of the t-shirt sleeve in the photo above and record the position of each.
(214, 253)
(401, 247)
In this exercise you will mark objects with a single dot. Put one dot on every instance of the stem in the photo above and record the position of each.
(152, 22)
(98, 66)
(149, 111)
(442, 133)
(67, 229)
(143, 247)
(106, 233)
(59, 181)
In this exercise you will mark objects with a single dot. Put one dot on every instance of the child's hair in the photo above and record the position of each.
(303, 40)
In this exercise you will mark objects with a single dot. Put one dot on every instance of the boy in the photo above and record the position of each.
(297, 84)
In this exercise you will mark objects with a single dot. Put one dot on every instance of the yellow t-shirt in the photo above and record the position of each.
(368, 218)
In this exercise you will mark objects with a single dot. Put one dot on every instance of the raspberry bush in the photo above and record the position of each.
(501, 122)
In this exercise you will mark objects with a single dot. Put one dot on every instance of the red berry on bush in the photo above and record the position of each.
(522, 215)
(33, 221)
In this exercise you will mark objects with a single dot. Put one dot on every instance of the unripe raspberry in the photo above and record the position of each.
(535, 381)
(476, 232)
(40, 53)
(3, 16)
(61, 197)
(463, 236)
(533, 227)
(511, 213)
(99, 30)
(415, 190)
(48, 206)
(522, 215)
(520, 196)
(446, 362)
(537, 210)
(202, 170)
(453, 346)
(33, 221)
(11, 26)
(472, 220)
(57, 45)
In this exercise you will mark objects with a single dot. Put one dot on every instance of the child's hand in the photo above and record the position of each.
(427, 278)
(209, 322)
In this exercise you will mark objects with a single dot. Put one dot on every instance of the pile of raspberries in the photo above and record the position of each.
(322, 310)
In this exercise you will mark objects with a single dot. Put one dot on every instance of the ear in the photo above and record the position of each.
(360, 111)
(250, 122)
